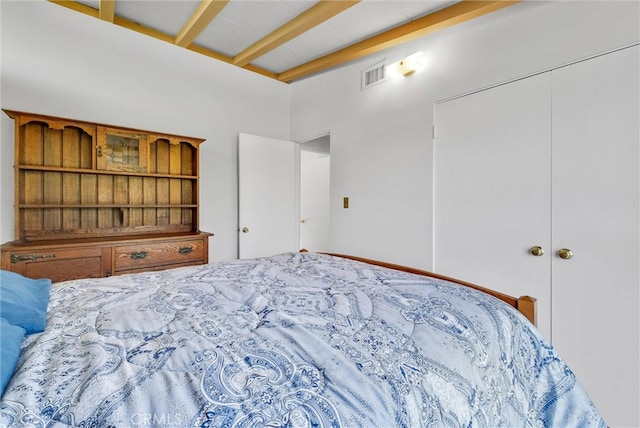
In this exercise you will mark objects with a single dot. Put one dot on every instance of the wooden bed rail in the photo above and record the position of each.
(525, 304)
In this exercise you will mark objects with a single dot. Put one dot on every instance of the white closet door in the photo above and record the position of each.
(596, 216)
(492, 181)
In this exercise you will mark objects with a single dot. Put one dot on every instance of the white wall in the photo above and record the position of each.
(63, 63)
(381, 145)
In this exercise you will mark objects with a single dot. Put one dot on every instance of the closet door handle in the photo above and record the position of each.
(536, 250)
(565, 254)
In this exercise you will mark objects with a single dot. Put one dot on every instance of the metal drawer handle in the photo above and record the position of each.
(139, 255)
(15, 258)
(185, 250)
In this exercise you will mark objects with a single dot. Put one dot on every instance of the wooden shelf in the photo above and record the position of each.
(77, 180)
(103, 172)
(123, 206)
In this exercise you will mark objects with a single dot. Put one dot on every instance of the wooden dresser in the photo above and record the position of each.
(96, 200)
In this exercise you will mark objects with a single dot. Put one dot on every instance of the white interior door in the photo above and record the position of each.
(596, 326)
(491, 195)
(315, 201)
(268, 199)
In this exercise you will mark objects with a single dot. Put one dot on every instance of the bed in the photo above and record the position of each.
(295, 340)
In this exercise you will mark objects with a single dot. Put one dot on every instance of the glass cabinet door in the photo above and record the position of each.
(121, 150)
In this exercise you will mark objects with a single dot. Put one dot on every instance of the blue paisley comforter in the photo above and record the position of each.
(295, 340)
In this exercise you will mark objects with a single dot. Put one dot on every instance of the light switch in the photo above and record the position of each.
(345, 202)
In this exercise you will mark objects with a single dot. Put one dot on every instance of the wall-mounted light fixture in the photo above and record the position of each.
(409, 65)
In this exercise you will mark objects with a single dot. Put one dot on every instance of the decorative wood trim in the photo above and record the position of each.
(52, 122)
(211, 54)
(78, 7)
(315, 15)
(142, 29)
(89, 127)
(204, 14)
(447, 17)
(173, 139)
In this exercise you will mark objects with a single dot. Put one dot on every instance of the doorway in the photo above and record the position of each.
(315, 212)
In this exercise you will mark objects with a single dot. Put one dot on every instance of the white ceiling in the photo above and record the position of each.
(249, 21)
(241, 23)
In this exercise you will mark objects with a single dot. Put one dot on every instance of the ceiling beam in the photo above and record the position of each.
(444, 18)
(204, 14)
(315, 15)
(107, 10)
(215, 55)
(147, 31)
(78, 7)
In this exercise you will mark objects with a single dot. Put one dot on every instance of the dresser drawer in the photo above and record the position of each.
(59, 263)
(155, 255)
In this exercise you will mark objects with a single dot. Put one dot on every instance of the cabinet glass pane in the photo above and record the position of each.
(123, 150)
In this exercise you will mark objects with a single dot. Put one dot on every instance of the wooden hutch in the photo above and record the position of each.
(96, 200)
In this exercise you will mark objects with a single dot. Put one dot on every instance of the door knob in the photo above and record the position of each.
(536, 251)
(245, 230)
(565, 253)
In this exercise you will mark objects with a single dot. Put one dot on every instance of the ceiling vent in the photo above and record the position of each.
(374, 75)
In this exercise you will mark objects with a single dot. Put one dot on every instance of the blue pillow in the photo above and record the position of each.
(24, 301)
(10, 339)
